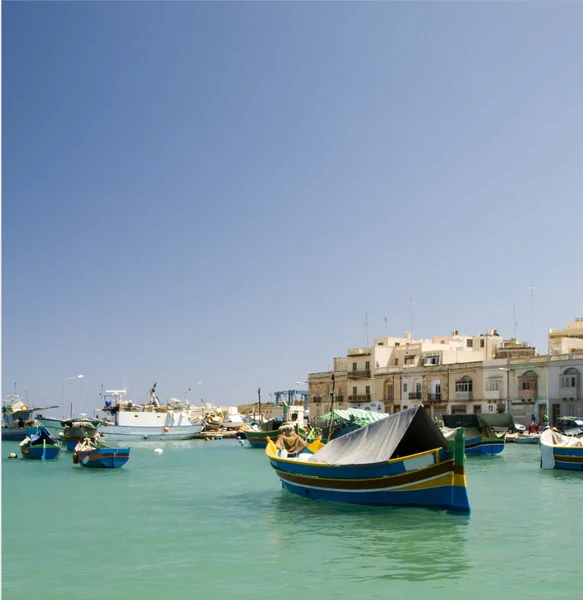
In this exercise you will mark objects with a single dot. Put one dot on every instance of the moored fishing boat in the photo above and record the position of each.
(481, 437)
(151, 421)
(18, 420)
(527, 438)
(81, 428)
(403, 459)
(41, 446)
(95, 455)
(560, 451)
(257, 433)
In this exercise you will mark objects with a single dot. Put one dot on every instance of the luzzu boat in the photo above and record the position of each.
(560, 451)
(479, 431)
(403, 459)
(257, 434)
(41, 446)
(97, 456)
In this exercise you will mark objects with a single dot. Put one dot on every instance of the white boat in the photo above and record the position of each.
(127, 421)
(233, 419)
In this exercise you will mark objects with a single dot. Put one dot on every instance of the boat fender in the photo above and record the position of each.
(12, 455)
(75, 458)
(166, 430)
(158, 450)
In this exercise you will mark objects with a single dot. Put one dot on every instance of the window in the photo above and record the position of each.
(528, 385)
(367, 391)
(482, 343)
(463, 385)
(354, 391)
(571, 408)
(409, 360)
(470, 343)
(493, 384)
(396, 362)
(397, 343)
(418, 388)
(432, 359)
(367, 365)
(354, 366)
(568, 381)
(404, 387)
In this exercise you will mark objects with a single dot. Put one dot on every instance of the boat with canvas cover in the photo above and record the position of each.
(481, 438)
(340, 422)
(41, 446)
(79, 429)
(95, 455)
(401, 460)
(560, 451)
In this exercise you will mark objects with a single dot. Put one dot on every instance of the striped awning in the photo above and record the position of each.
(357, 415)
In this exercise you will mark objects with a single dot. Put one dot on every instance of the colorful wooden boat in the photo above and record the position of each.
(560, 451)
(257, 438)
(481, 438)
(41, 446)
(401, 460)
(97, 456)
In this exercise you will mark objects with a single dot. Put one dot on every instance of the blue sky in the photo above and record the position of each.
(217, 192)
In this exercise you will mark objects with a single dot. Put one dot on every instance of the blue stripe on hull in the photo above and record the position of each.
(36, 453)
(440, 497)
(486, 448)
(257, 444)
(567, 466)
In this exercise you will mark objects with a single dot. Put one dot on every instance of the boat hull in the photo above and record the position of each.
(46, 452)
(488, 446)
(118, 433)
(103, 458)
(13, 434)
(430, 479)
(258, 439)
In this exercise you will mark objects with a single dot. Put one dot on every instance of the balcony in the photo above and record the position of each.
(435, 397)
(463, 395)
(527, 395)
(360, 398)
(359, 374)
(416, 396)
(389, 398)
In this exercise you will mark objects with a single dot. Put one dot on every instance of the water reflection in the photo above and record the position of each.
(412, 544)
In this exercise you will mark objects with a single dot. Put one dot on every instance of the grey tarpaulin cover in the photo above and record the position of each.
(479, 420)
(402, 434)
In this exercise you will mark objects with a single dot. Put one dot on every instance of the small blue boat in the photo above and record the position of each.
(41, 446)
(479, 431)
(560, 451)
(97, 456)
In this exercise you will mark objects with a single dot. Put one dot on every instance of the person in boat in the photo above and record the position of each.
(21, 422)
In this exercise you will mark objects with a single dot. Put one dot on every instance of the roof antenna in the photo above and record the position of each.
(411, 316)
(532, 288)
(366, 325)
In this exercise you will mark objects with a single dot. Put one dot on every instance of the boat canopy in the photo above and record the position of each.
(479, 420)
(405, 433)
(41, 435)
(355, 415)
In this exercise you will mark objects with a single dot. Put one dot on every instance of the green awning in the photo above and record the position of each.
(356, 415)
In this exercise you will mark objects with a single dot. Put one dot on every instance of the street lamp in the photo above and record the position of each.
(63, 391)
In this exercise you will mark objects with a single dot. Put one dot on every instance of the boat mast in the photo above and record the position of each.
(331, 421)
(259, 396)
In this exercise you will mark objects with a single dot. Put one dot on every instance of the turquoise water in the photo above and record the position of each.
(210, 519)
